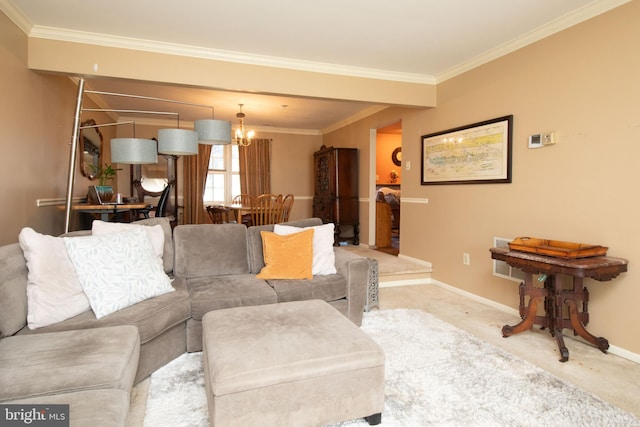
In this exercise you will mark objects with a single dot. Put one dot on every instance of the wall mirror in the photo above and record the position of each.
(90, 149)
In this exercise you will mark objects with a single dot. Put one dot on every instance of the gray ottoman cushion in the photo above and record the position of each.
(296, 363)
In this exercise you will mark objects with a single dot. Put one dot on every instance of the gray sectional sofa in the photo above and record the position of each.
(92, 364)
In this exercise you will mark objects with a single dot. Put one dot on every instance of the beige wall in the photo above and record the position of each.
(83, 59)
(291, 169)
(582, 83)
(36, 116)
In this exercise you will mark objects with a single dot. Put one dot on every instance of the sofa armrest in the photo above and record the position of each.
(355, 269)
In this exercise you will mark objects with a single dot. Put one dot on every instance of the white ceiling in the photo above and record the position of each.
(407, 40)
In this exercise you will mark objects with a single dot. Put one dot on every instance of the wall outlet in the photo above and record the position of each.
(408, 165)
(466, 259)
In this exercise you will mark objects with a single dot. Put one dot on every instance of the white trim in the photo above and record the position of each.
(618, 351)
(371, 191)
(63, 34)
(415, 260)
(186, 124)
(356, 117)
(587, 12)
(406, 282)
(16, 16)
(417, 200)
(58, 201)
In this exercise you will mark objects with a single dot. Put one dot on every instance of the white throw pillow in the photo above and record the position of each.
(324, 259)
(117, 270)
(53, 290)
(154, 232)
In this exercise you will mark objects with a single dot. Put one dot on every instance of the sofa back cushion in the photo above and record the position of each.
(13, 290)
(256, 256)
(167, 256)
(210, 250)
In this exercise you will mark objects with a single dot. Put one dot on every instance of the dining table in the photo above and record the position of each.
(238, 210)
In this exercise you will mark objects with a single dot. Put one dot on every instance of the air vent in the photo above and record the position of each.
(501, 268)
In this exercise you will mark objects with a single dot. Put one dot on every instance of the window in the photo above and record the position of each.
(223, 178)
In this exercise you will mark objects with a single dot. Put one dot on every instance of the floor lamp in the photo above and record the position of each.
(171, 142)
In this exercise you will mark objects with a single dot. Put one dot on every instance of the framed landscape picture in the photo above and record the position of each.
(478, 153)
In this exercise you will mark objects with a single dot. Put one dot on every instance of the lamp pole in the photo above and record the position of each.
(71, 176)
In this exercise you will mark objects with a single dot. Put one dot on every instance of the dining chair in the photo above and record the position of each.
(161, 209)
(267, 209)
(218, 214)
(244, 200)
(287, 204)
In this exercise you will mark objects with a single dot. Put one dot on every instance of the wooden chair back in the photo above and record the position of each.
(287, 204)
(244, 200)
(267, 209)
(218, 214)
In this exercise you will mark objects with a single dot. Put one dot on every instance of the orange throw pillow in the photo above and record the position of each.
(287, 257)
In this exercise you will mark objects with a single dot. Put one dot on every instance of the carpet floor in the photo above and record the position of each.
(436, 375)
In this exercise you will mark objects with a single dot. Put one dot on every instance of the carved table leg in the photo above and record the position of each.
(526, 323)
(599, 342)
(557, 316)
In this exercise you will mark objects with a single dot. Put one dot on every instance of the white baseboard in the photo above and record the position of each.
(618, 351)
(415, 260)
(407, 282)
(478, 298)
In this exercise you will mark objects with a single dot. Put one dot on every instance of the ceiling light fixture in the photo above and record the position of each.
(243, 136)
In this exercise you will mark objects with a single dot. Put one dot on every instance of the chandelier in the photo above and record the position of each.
(243, 136)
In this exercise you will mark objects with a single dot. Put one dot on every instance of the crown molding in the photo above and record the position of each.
(350, 120)
(184, 124)
(587, 12)
(16, 16)
(61, 34)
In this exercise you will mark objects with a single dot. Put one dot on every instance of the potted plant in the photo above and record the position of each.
(104, 175)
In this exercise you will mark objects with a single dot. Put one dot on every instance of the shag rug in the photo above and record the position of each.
(436, 375)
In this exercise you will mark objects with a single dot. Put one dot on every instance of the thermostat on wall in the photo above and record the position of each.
(535, 141)
(542, 139)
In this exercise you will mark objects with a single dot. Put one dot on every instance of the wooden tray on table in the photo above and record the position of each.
(556, 248)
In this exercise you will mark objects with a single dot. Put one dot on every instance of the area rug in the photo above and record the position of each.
(436, 375)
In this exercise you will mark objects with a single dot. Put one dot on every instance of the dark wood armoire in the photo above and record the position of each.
(335, 197)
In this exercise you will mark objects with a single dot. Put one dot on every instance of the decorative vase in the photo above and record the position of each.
(100, 193)
(105, 192)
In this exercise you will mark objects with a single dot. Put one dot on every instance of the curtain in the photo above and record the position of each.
(195, 178)
(255, 167)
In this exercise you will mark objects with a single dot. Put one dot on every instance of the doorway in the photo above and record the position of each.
(388, 183)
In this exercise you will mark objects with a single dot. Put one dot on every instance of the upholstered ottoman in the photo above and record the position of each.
(290, 364)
